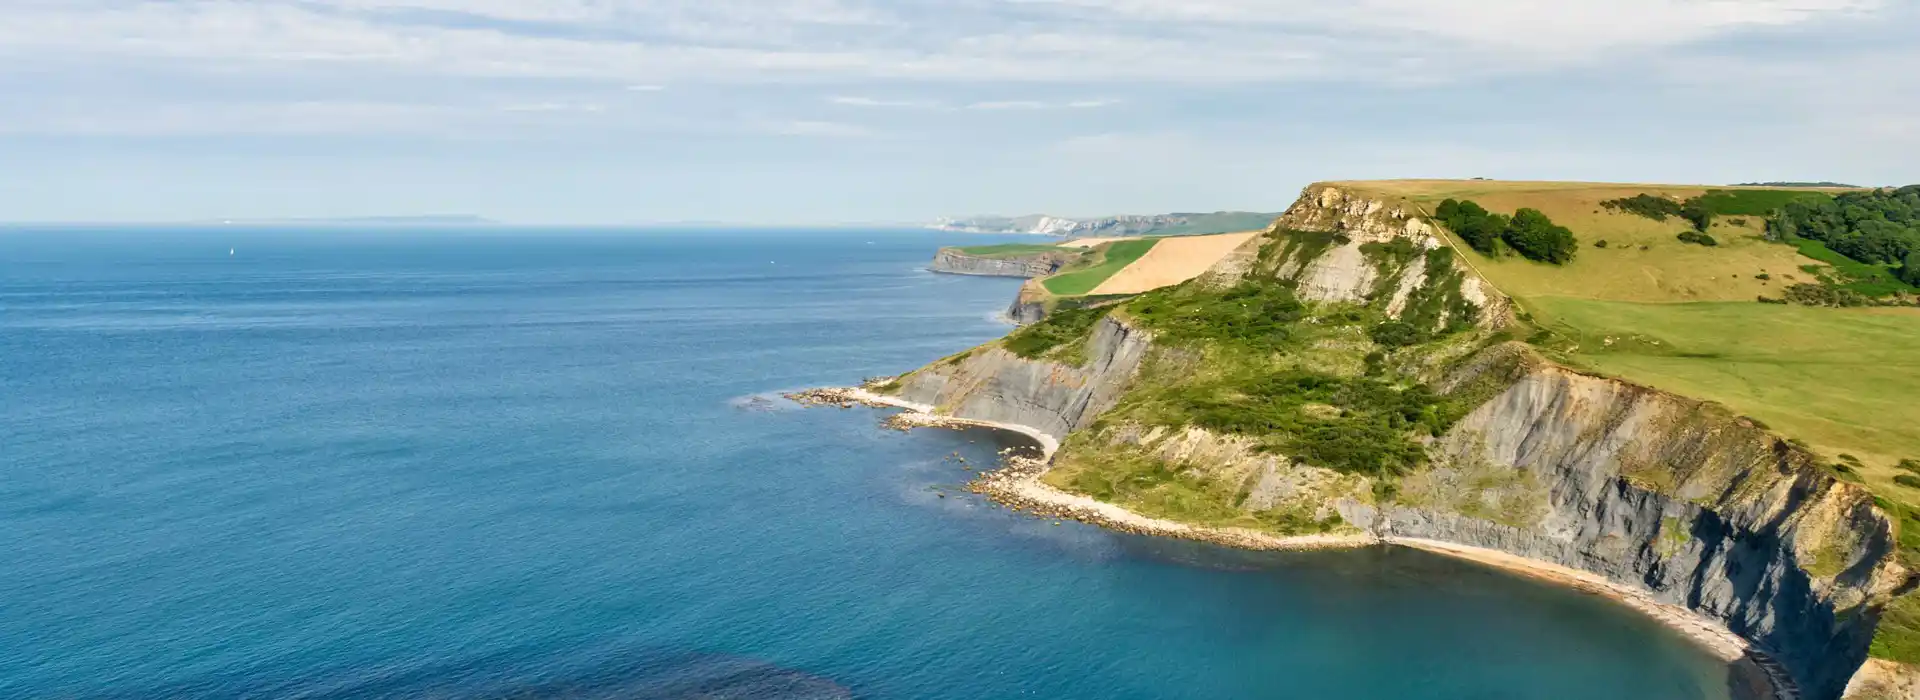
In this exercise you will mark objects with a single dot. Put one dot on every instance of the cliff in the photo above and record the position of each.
(1681, 499)
(957, 262)
(993, 384)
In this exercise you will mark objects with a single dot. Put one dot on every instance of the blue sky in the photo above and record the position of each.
(812, 111)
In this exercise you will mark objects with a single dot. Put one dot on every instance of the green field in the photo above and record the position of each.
(1114, 257)
(1012, 250)
(1843, 380)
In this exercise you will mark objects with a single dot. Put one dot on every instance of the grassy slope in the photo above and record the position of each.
(1113, 258)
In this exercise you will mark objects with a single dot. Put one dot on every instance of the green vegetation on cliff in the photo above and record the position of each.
(1060, 333)
(1144, 483)
(1310, 381)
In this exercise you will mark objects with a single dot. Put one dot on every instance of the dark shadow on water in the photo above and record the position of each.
(1388, 567)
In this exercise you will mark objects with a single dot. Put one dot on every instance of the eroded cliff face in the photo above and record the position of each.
(1699, 507)
(1030, 306)
(956, 262)
(992, 384)
(1702, 508)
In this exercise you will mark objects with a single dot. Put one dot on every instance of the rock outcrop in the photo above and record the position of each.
(992, 384)
(1339, 246)
(956, 262)
(1030, 306)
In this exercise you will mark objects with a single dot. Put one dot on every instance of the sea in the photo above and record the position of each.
(283, 462)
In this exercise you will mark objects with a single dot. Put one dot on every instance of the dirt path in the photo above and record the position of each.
(1172, 261)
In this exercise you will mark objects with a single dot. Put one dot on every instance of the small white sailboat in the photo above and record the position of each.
(229, 252)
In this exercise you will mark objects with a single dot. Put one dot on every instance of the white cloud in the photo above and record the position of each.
(1014, 105)
(860, 52)
(823, 129)
(1009, 104)
(201, 118)
(648, 41)
(554, 107)
(854, 101)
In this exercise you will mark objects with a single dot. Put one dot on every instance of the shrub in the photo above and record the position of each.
(1061, 327)
(1253, 314)
(1908, 480)
(1912, 465)
(1701, 217)
(1823, 295)
(1763, 277)
(1602, 243)
(1764, 299)
(1649, 206)
(1395, 334)
(1363, 429)
(1697, 238)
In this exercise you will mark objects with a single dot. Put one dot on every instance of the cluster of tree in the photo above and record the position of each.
(1650, 206)
(1875, 226)
(1701, 210)
(1836, 185)
(1528, 232)
(1697, 238)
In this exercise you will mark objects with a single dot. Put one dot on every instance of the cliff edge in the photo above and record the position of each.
(1346, 373)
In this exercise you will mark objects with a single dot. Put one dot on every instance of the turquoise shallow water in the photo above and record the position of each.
(523, 463)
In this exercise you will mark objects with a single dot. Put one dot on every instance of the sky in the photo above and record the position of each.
(824, 111)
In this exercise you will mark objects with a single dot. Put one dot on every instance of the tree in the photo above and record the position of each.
(1472, 223)
(1910, 272)
(1536, 237)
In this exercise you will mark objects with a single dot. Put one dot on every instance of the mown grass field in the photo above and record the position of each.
(1842, 380)
(1112, 257)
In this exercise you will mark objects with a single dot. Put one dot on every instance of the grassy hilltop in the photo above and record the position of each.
(1653, 309)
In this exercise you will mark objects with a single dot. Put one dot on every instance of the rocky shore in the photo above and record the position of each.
(1017, 485)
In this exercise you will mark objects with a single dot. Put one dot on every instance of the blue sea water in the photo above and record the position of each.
(528, 463)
